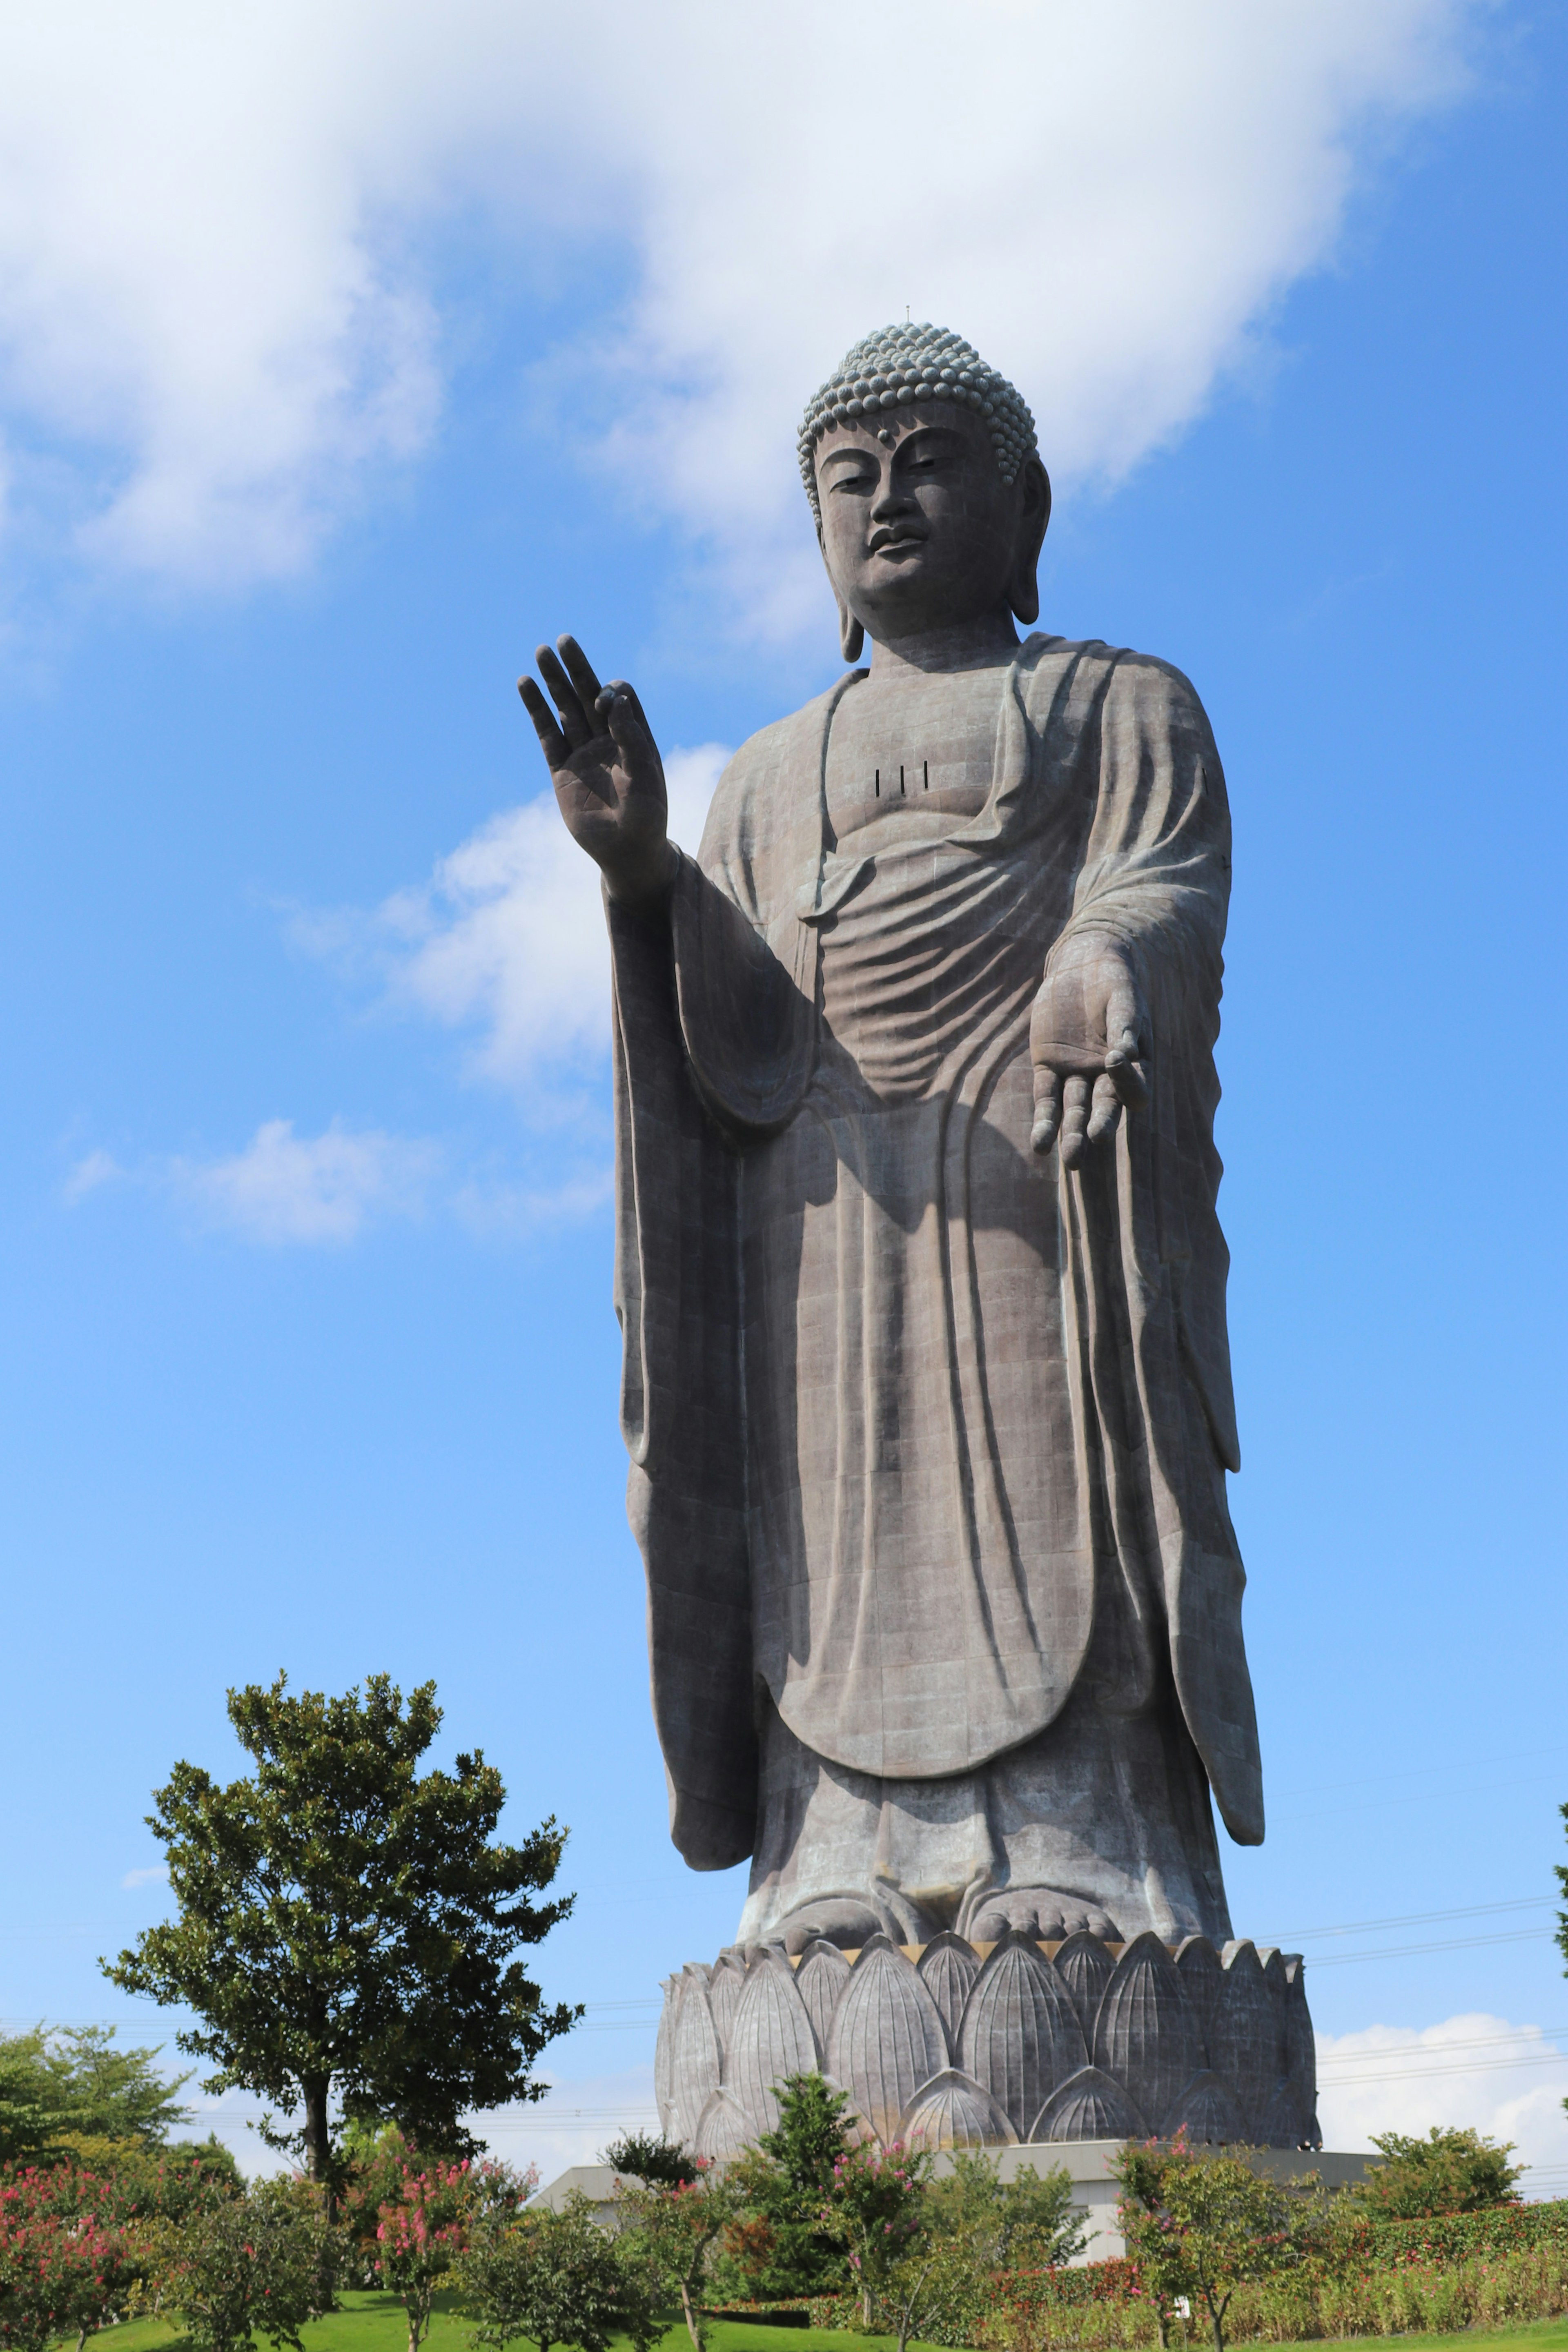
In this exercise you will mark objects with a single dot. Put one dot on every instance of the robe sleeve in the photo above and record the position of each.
(713, 1048)
(1143, 1220)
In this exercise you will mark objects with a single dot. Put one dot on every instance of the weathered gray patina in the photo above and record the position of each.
(927, 1386)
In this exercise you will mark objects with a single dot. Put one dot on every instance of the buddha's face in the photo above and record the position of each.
(919, 530)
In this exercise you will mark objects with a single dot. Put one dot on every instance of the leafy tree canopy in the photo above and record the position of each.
(346, 1925)
(649, 2157)
(1454, 2171)
(1200, 2226)
(76, 2080)
(1030, 2220)
(782, 2244)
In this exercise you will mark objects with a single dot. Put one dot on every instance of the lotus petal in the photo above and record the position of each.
(1020, 2034)
(1146, 2035)
(721, 2129)
(887, 2038)
(663, 2054)
(769, 2039)
(1084, 1965)
(952, 2110)
(1206, 2113)
(1197, 1965)
(1244, 2040)
(1089, 2105)
(948, 1970)
(1284, 2124)
(820, 1981)
(724, 1991)
(695, 2062)
(1301, 2048)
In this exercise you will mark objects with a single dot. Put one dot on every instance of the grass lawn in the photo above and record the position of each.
(376, 2323)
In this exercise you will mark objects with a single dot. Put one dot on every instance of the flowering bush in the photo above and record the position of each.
(669, 2234)
(430, 2220)
(63, 2270)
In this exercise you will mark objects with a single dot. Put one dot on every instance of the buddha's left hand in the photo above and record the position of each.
(1088, 1033)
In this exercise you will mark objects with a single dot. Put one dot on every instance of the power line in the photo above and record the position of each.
(1454, 1944)
(1473, 2041)
(1415, 1918)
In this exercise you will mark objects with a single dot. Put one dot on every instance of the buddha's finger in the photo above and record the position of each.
(1075, 1117)
(575, 724)
(1105, 1110)
(551, 741)
(1047, 1106)
(1121, 1068)
(580, 670)
(1124, 1022)
(617, 708)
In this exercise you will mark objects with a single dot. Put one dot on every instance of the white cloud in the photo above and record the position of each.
(92, 1170)
(324, 1188)
(216, 228)
(156, 1873)
(1508, 2081)
(507, 938)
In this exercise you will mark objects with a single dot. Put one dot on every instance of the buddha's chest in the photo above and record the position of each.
(913, 757)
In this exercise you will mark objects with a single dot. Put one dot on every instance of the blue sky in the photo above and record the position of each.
(307, 1256)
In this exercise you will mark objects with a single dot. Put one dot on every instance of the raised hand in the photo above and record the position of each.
(1088, 1033)
(606, 768)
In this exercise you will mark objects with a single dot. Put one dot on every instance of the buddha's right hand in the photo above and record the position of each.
(607, 774)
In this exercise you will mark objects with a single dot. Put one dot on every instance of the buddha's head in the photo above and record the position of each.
(931, 499)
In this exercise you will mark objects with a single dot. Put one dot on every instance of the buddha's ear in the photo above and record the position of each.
(1023, 588)
(851, 635)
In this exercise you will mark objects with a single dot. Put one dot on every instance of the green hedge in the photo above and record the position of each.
(1457, 2237)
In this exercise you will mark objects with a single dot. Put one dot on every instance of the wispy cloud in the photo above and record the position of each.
(285, 1187)
(93, 1170)
(506, 941)
(220, 316)
(156, 1873)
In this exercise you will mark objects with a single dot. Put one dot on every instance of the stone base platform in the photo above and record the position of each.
(957, 2045)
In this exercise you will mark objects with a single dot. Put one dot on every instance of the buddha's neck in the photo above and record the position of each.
(981, 644)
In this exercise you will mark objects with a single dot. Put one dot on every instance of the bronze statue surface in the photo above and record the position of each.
(927, 1388)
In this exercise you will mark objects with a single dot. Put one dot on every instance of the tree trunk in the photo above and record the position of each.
(693, 2326)
(318, 2148)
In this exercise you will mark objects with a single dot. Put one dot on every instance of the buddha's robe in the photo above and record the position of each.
(911, 1410)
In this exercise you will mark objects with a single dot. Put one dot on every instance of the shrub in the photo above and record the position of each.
(555, 2278)
(239, 2266)
(1446, 2172)
(62, 2272)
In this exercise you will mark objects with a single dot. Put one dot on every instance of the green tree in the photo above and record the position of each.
(1029, 2220)
(555, 2278)
(76, 2080)
(1454, 2171)
(668, 2236)
(1200, 2226)
(881, 2211)
(780, 2243)
(649, 2157)
(257, 2264)
(346, 1925)
(933, 2289)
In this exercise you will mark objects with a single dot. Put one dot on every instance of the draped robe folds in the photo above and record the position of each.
(912, 1411)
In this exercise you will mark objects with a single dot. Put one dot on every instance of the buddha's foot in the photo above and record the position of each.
(1039, 1912)
(852, 1920)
